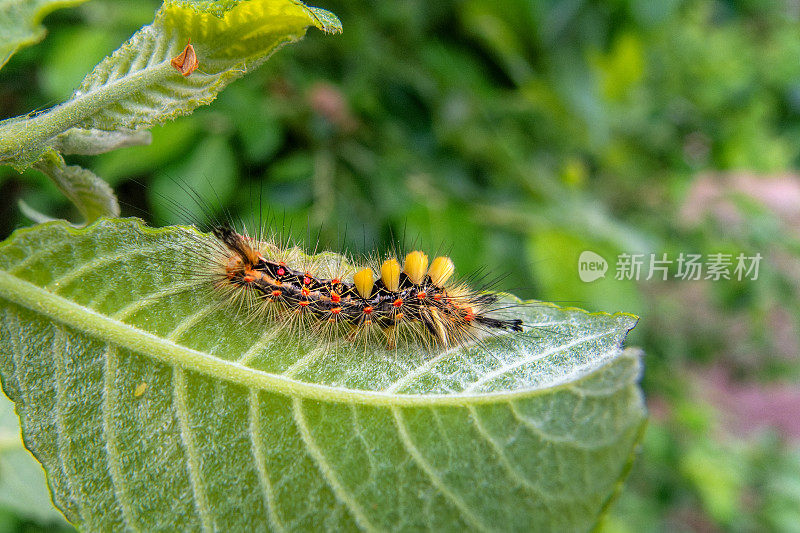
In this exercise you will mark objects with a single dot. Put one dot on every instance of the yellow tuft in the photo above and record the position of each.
(390, 274)
(441, 270)
(364, 282)
(416, 266)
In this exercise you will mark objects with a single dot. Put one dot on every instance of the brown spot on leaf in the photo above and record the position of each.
(140, 389)
(186, 62)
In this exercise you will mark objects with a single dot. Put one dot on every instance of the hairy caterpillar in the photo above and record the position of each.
(416, 301)
(395, 300)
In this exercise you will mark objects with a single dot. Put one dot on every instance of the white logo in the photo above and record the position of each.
(591, 266)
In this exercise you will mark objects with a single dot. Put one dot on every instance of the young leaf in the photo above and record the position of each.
(19, 23)
(91, 195)
(93, 142)
(138, 86)
(152, 406)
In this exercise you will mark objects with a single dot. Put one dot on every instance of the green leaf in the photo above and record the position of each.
(94, 142)
(153, 406)
(20, 23)
(91, 195)
(137, 86)
(23, 487)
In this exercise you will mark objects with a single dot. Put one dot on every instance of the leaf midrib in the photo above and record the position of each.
(71, 113)
(89, 321)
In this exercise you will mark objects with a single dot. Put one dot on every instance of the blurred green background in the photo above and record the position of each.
(517, 134)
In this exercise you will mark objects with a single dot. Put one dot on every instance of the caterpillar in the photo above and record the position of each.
(416, 301)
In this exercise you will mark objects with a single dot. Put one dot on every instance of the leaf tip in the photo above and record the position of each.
(325, 20)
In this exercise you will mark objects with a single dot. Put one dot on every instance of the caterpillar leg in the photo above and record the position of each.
(391, 337)
(436, 325)
(352, 334)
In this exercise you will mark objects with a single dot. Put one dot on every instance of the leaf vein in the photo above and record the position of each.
(258, 345)
(61, 444)
(327, 470)
(506, 462)
(114, 466)
(261, 462)
(303, 362)
(517, 363)
(190, 320)
(151, 298)
(98, 262)
(545, 435)
(192, 459)
(432, 474)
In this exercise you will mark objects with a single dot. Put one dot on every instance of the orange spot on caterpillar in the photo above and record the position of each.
(368, 310)
(437, 296)
(336, 281)
(186, 62)
(303, 303)
(335, 298)
(336, 310)
(280, 271)
(422, 295)
(398, 302)
(470, 314)
(276, 293)
(398, 317)
(232, 266)
(251, 275)
(306, 280)
(304, 291)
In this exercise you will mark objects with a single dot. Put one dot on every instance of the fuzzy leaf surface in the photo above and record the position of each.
(93, 142)
(151, 406)
(137, 87)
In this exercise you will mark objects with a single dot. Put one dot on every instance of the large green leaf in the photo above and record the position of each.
(150, 406)
(137, 86)
(20, 23)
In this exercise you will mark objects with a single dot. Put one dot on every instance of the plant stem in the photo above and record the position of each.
(22, 140)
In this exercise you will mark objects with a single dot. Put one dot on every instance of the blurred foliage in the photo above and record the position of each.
(516, 134)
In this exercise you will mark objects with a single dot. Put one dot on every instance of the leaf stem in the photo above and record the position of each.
(22, 140)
